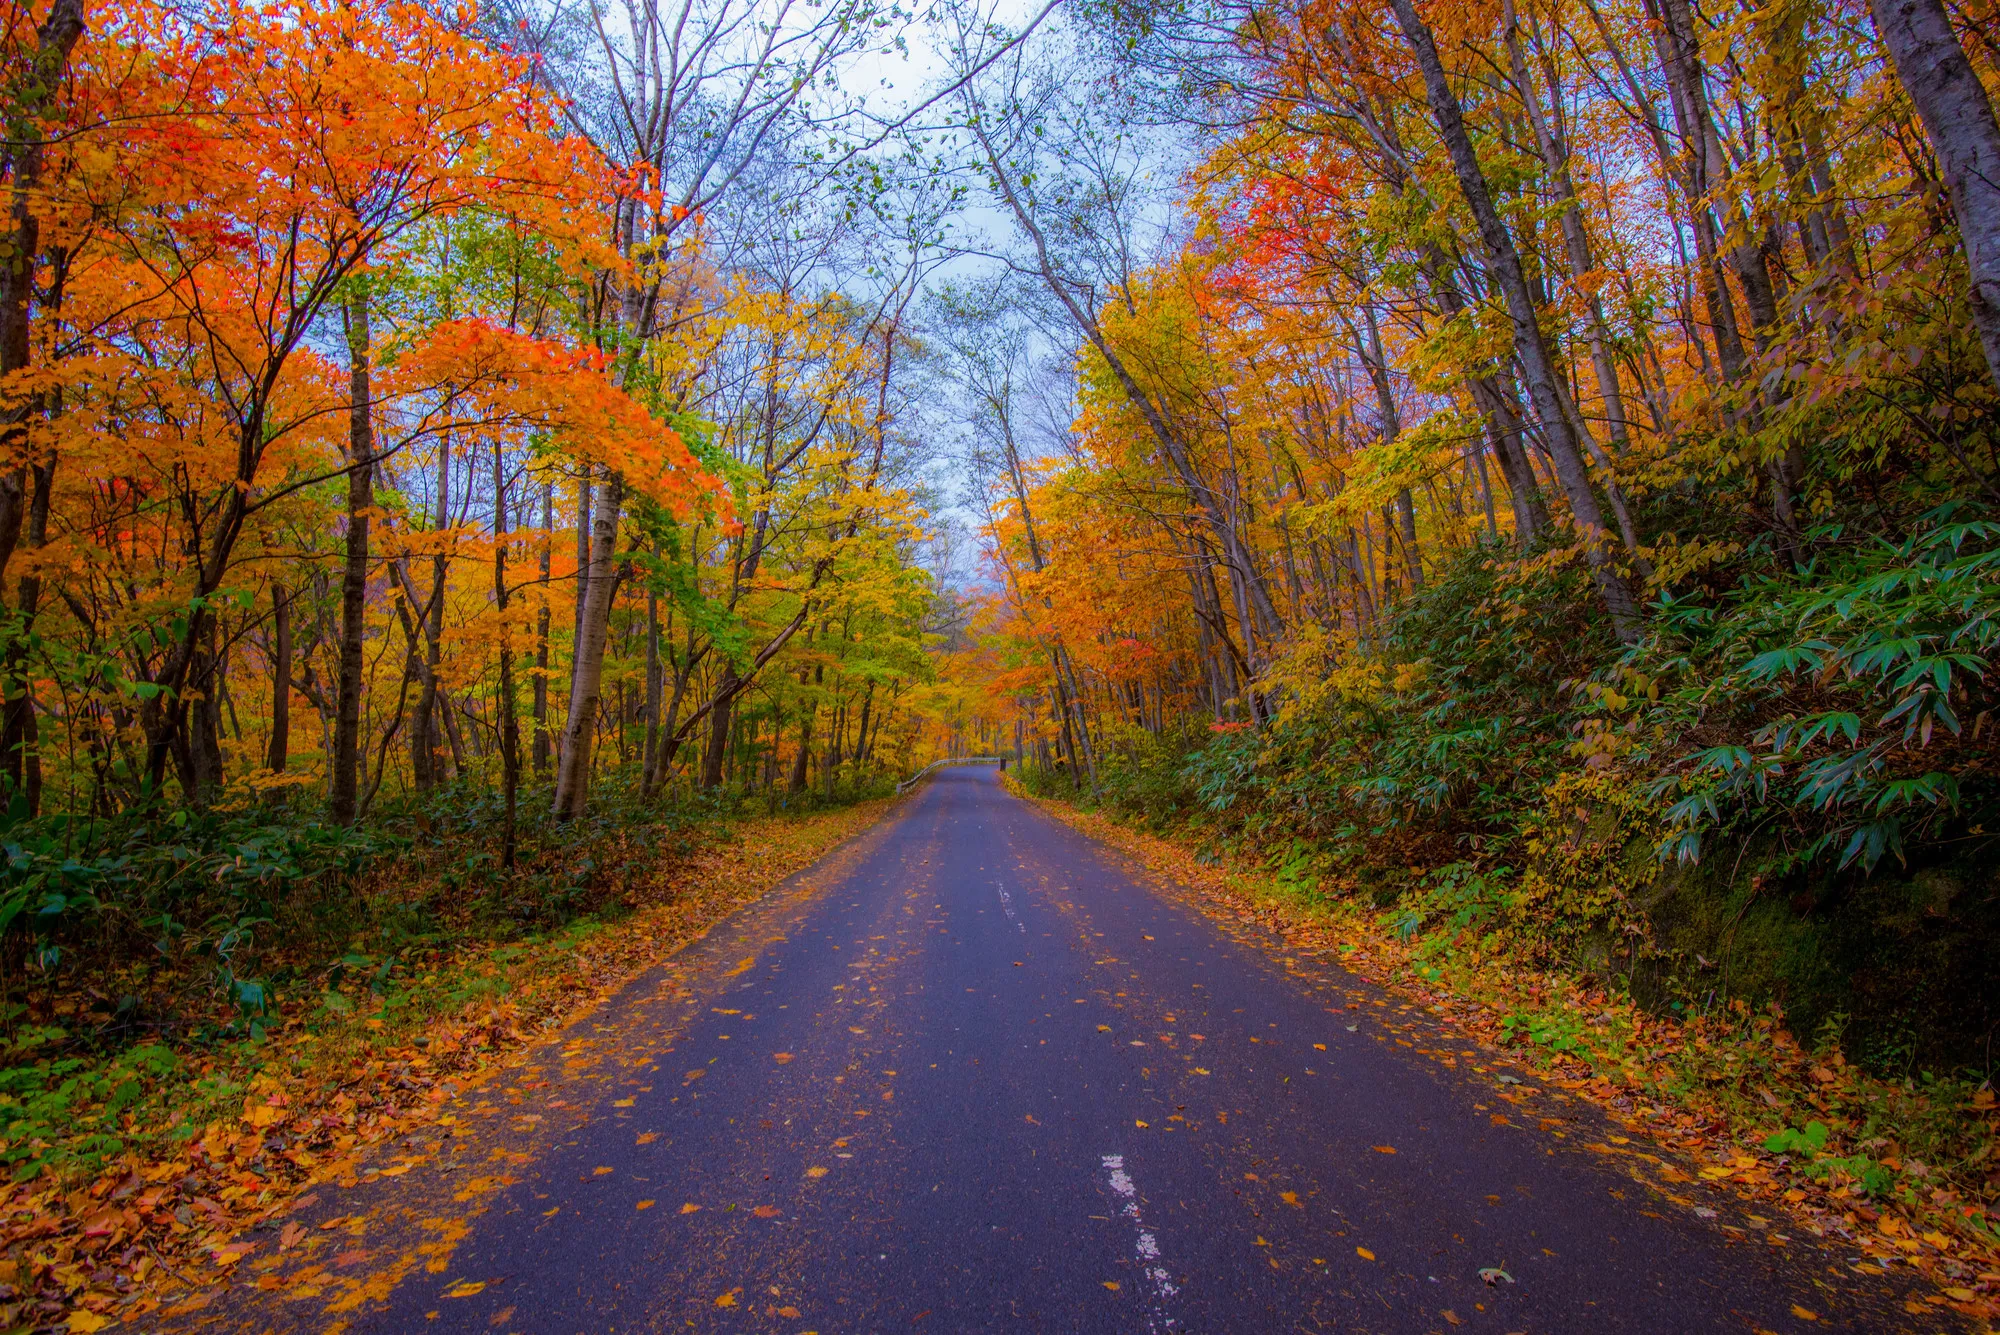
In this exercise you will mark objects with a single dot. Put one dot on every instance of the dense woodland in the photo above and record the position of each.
(1529, 467)
(1544, 484)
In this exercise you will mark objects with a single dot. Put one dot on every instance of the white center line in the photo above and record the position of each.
(1159, 1286)
(1007, 903)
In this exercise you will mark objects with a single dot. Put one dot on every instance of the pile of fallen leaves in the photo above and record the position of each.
(1804, 1134)
(166, 1220)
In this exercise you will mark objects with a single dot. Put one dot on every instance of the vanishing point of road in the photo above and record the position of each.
(976, 1073)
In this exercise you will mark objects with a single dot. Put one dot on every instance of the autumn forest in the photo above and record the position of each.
(1521, 474)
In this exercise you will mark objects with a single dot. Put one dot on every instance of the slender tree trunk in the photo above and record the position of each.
(1505, 263)
(1553, 146)
(354, 580)
(510, 728)
(30, 93)
(803, 759)
(427, 725)
(20, 735)
(587, 676)
(279, 754)
(654, 691)
(1958, 118)
(542, 631)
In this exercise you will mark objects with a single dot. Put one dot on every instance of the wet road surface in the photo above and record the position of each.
(975, 1074)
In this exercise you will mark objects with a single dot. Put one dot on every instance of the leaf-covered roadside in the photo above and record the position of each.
(1882, 1170)
(267, 1119)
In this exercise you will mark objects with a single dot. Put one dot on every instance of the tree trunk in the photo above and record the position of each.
(20, 735)
(1554, 148)
(1505, 262)
(542, 631)
(1958, 118)
(20, 245)
(354, 580)
(510, 728)
(587, 674)
(650, 767)
(804, 757)
(279, 754)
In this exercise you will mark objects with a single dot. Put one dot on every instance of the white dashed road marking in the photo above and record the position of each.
(1159, 1285)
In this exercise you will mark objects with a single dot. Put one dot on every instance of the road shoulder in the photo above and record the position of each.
(1622, 1063)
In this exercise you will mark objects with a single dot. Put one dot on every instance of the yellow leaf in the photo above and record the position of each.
(1141, 1125)
(1804, 1314)
(600, 1172)
(646, 1205)
(1201, 1070)
(465, 1288)
(728, 1299)
(86, 1322)
(1321, 1047)
(1364, 1253)
(624, 1103)
(816, 1171)
(689, 1208)
(259, 1112)
(648, 1137)
(1111, 1284)
(1385, 1149)
(1289, 1197)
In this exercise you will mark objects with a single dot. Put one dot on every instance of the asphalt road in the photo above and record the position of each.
(976, 1074)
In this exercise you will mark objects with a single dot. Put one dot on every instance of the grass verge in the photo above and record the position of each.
(215, 1146)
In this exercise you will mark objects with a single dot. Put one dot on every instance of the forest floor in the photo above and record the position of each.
(1735, 1094)
(236, 1134)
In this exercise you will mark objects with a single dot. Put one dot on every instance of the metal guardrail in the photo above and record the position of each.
(914, 779)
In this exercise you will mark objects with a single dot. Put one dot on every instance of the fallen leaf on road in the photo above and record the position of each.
(1201, 1070)
(648, 1137)
(600, 1172)
(623, 1103)
(781, 1057)
(728, 1299)
(1804, 1314)
(689, 1208)
(1319, 1047)
(1385, 1149)
(1290, 1198)
(789, 1313)
(767, 1212)
(465, 1288)
(289, 1238)
(1493, 1274)
(816, 1171)
(1141, 1125)
(1451, 1316)
(1364, 1253)
(1103, 1028)
(646, 1205)
(87, 1322)
(1111, 1284)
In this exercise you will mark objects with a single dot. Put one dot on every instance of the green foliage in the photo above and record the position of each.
(1832, 701)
